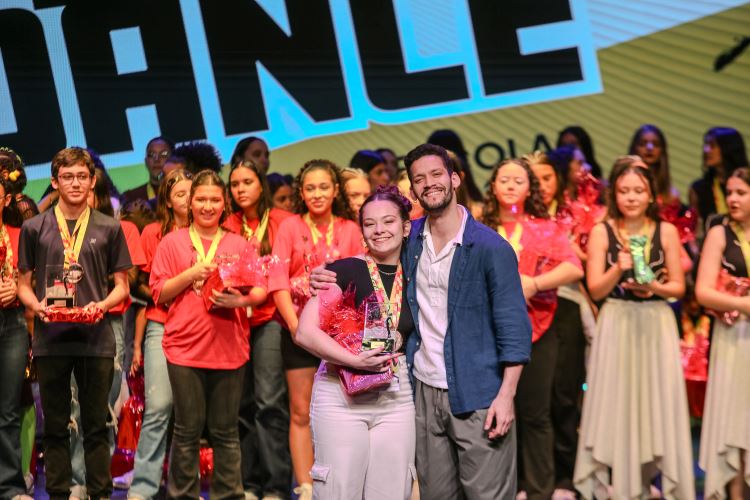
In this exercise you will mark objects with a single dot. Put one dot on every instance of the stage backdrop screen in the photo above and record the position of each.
(324, 78)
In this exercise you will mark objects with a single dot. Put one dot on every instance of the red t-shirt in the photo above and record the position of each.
(150, 239)
(137, 257)
(298, 256)
(13, 234)
(263, 313)
(545, 245)
(193, 336)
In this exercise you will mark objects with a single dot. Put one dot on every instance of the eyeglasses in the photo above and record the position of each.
(68, 178)
(158, 156)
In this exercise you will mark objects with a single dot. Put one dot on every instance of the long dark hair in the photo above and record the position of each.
(584, 144)
(264, 202)
(533, 205)
(239, 150)
(340, 207)
(661, 169)
(540, 158)
(11, 214)
(732, 147)
(626, 165)
(163, 213)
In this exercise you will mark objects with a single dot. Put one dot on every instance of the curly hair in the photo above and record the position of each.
(533, 205)
(11, 162)
(340, 207)
(627, 165)
(392, 194)
(199, 155)
(264, 202)
(12, 215)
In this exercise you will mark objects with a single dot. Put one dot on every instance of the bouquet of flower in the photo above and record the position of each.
(732, 285)
(344, 322)
(85, 315)
(129, 426)
(583, 213)
(241, 272)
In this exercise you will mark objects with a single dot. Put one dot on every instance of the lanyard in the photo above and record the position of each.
(719, 199)
(72, 243)
(552, 209)
(259, 232)
(150, 193)
(515, 238)
(392, 303)
(198, 244)
(315, 232)
(7, 266)
(744, 244)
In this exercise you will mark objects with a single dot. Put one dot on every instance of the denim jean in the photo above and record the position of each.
(76, 438)
(264, 416)
(94, 378)
(14, 351)
(205, 398)
(152, 444)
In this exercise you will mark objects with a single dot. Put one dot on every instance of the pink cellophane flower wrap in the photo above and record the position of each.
(129, 426)
(731, 285)
(344, 322)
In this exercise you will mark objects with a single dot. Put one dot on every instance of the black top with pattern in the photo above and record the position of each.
(656, 261)
(733, 260)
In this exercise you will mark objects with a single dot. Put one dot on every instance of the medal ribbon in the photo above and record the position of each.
(198, 245)
(72, 243)
(719, 200)
(315, 232)
(150, 191)
(552, 209)
(392, 303)
(260, 230)
(515, 238)
(7, 266)
(744, 244)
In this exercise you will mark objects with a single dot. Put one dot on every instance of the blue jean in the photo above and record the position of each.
(76, 436)
(152, 445)
(14, 351)
(264, 416)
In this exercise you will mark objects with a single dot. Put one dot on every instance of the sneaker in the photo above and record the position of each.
(304, 491)
(123, 482)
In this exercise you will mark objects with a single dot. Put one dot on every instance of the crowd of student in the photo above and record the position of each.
(505, 305)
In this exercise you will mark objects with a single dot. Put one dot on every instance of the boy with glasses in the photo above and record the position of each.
(71, 250)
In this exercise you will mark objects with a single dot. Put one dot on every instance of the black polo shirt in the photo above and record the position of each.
(104, 251)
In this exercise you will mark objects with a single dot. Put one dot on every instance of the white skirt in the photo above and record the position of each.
(726, 415)
(635, 413)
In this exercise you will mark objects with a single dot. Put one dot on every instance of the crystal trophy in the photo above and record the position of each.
(379, 329)
(60, 287)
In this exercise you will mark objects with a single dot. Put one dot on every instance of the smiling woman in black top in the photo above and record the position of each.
(364, 444)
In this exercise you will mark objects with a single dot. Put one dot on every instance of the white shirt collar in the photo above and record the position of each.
(458, 239)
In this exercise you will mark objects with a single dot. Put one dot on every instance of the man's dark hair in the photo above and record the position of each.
(199, 156)
(427, 150)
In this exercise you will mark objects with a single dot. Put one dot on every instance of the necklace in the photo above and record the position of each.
(386, 273)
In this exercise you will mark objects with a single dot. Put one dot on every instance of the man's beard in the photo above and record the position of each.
(439, 205)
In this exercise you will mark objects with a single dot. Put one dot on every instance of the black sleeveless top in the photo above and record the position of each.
(656, 261)
(732, 260)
